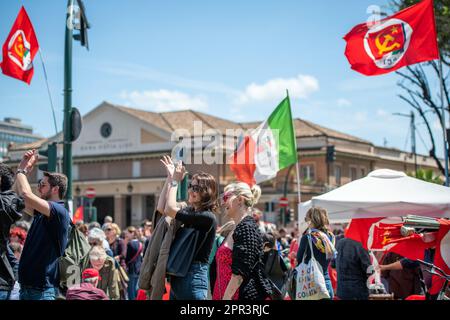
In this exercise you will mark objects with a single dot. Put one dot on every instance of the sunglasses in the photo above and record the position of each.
(108, 229)
(195, 187)
(226, 196)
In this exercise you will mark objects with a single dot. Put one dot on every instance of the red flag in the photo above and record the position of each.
(384, 234)
(442, 255)
(78, 215)
(242, 161)
(405, 38)
(19, 49)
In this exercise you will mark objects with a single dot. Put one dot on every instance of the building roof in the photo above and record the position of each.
(184, 119)
(304, 129)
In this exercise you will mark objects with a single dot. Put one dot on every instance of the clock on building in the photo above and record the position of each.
(105, 130)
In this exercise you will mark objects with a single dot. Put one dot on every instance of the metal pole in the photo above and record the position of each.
(298, 183)
(67, 127)
(441, 76)
(413, 141)
(283, 214)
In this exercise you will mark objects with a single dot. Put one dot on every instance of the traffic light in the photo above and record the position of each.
(52, 157)
(331, 154)
(82, 26)
(291, 214)
(287, 213)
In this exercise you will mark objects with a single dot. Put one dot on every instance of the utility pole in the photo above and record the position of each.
(67, 128)
(72, 118)
(285, 192)
(413, 140)
(413, 136)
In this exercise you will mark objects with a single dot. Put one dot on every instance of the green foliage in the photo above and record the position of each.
(426, 175)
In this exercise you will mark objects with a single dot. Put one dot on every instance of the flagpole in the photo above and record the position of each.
(48, 90)
(441, 76)
(297, 164)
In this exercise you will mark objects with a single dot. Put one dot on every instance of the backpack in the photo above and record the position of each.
(70, 263)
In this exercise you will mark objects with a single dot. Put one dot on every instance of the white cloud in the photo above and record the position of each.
(301, 86)
(381, 113)
(344, 102)
(143, 73)
(164, 100)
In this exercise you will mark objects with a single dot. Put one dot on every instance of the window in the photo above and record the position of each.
(353, 174)
(307, 173)
(337, 174)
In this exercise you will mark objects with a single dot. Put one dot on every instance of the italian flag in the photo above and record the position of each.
(267, 149)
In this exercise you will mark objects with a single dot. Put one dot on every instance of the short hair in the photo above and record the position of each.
(23, 225)
(7, 177)
(108, 219)
(97, 253)
(94, 224)
(57, 180)
(268, 239)
(96, 234)
(117, 228)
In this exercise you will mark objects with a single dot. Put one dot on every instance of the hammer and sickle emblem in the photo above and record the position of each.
(385, 47)
(19, 47)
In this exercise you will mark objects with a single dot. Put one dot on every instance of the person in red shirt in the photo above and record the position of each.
(87, 290)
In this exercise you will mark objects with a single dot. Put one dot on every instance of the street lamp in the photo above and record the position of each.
(130, 188)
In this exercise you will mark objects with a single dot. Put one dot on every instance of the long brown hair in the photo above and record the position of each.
(319, 218)
(208, 193)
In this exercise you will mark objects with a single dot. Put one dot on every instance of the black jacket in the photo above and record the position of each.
(10, 206)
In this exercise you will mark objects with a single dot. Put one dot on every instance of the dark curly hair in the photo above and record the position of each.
(57, 180)
(7, 177)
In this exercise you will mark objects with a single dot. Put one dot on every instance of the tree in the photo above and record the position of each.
(416, 79)
(426, 175)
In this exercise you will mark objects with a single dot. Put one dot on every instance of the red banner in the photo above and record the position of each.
(19, 49)
(405, 38)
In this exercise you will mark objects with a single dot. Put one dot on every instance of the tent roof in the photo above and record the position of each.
(383, 193)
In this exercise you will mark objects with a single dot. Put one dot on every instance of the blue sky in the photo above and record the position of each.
(231, 59)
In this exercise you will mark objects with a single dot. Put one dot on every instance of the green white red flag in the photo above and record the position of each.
(267, 149)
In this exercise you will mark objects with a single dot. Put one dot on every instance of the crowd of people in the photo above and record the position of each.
(243, 259)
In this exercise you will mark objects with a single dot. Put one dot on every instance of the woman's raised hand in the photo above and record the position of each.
(169, 165)
(180, 172)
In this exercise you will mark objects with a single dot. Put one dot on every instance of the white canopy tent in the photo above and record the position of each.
(383, 193)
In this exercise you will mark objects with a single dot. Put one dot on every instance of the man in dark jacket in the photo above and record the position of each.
(10, 207)
(353, 269)
(87, 290)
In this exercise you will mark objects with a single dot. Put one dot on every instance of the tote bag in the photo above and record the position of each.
(182, 252)
(310, 279)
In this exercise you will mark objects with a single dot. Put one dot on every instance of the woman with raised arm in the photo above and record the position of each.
(199, 215)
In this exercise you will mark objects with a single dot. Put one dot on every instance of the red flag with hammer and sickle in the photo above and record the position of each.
(19, 49)
(405, 38)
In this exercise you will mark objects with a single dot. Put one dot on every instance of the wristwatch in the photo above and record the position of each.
(24, 171)
(174, 183)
